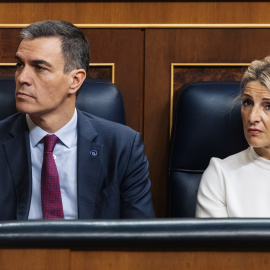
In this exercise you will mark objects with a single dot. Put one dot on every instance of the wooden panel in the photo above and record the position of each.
(101, 72)
(125, 48)
(136, 12)
(52, 259)
(34, 259)
(157, 110)
(183, 75)
(124, 260)
(9, 42)
(95, 72)
(7, 71)
(166, 46)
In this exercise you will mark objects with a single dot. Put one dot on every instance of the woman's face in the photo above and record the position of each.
(255, 111)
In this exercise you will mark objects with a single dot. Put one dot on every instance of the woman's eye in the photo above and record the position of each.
(246, 102)
(267, 107)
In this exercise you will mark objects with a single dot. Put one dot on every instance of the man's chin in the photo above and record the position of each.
(23, 108)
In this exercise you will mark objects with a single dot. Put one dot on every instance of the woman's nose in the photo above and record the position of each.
(255, 115)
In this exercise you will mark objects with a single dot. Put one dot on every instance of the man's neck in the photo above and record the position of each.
(52, 123)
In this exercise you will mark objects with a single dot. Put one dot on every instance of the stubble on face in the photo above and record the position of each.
(42, 87)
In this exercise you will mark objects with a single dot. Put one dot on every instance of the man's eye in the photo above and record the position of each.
(18, 65)
(267, 107)
(39, 68)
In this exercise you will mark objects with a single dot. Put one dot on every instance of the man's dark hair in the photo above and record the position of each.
(75, 47)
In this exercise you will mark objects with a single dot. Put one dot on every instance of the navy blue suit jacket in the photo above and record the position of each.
(113, 184)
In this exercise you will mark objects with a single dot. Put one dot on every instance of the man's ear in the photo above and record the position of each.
(78, 76)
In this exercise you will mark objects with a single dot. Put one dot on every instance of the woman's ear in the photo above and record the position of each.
(78, 76)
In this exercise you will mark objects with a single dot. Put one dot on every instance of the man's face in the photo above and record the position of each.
(42, 87)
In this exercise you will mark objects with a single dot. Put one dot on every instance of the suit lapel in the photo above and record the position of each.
(17, 151)
(89, 156)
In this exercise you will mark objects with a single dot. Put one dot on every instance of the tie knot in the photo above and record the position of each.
(49, 142)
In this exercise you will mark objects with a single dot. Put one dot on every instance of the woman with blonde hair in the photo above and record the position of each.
(239, 185)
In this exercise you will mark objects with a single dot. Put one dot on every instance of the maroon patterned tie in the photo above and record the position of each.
(50, 188)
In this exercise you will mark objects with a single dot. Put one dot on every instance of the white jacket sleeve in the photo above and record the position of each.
(211, 199)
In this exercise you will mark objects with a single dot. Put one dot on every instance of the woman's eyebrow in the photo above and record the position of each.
(265, 98)
(247, 95)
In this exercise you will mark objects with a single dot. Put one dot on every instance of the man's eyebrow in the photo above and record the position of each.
(35, 62)
(18, 58)
(41, 62)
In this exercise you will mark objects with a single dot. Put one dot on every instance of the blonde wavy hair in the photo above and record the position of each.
(259, 70)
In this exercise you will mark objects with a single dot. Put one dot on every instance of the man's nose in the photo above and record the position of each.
(23, 75)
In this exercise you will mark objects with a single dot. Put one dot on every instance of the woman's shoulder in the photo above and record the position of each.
(224, 169)
(233, 161)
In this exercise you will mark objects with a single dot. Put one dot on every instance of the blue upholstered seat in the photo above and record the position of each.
(207, 124)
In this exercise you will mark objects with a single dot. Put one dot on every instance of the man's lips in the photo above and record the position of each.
(254, 131)
(23, 95)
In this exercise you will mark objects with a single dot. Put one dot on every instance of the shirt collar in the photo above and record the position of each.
(67, 134)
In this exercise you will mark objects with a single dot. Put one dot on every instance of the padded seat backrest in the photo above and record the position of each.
(207, 124)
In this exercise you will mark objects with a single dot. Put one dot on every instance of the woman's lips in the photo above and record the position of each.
(254, 131)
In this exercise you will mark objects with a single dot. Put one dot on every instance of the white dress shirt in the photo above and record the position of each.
(65, 155)
(237, 186)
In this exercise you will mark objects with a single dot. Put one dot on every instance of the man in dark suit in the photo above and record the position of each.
(95, 168)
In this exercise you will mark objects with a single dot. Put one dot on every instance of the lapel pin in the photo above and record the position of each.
(93, 153)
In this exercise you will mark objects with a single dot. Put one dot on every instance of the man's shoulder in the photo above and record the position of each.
(13, 124)
(107, 127)
(12, 119)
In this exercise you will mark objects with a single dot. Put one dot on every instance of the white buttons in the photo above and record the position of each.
(54, 156)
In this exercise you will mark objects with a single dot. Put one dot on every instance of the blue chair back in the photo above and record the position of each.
(207, 123)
